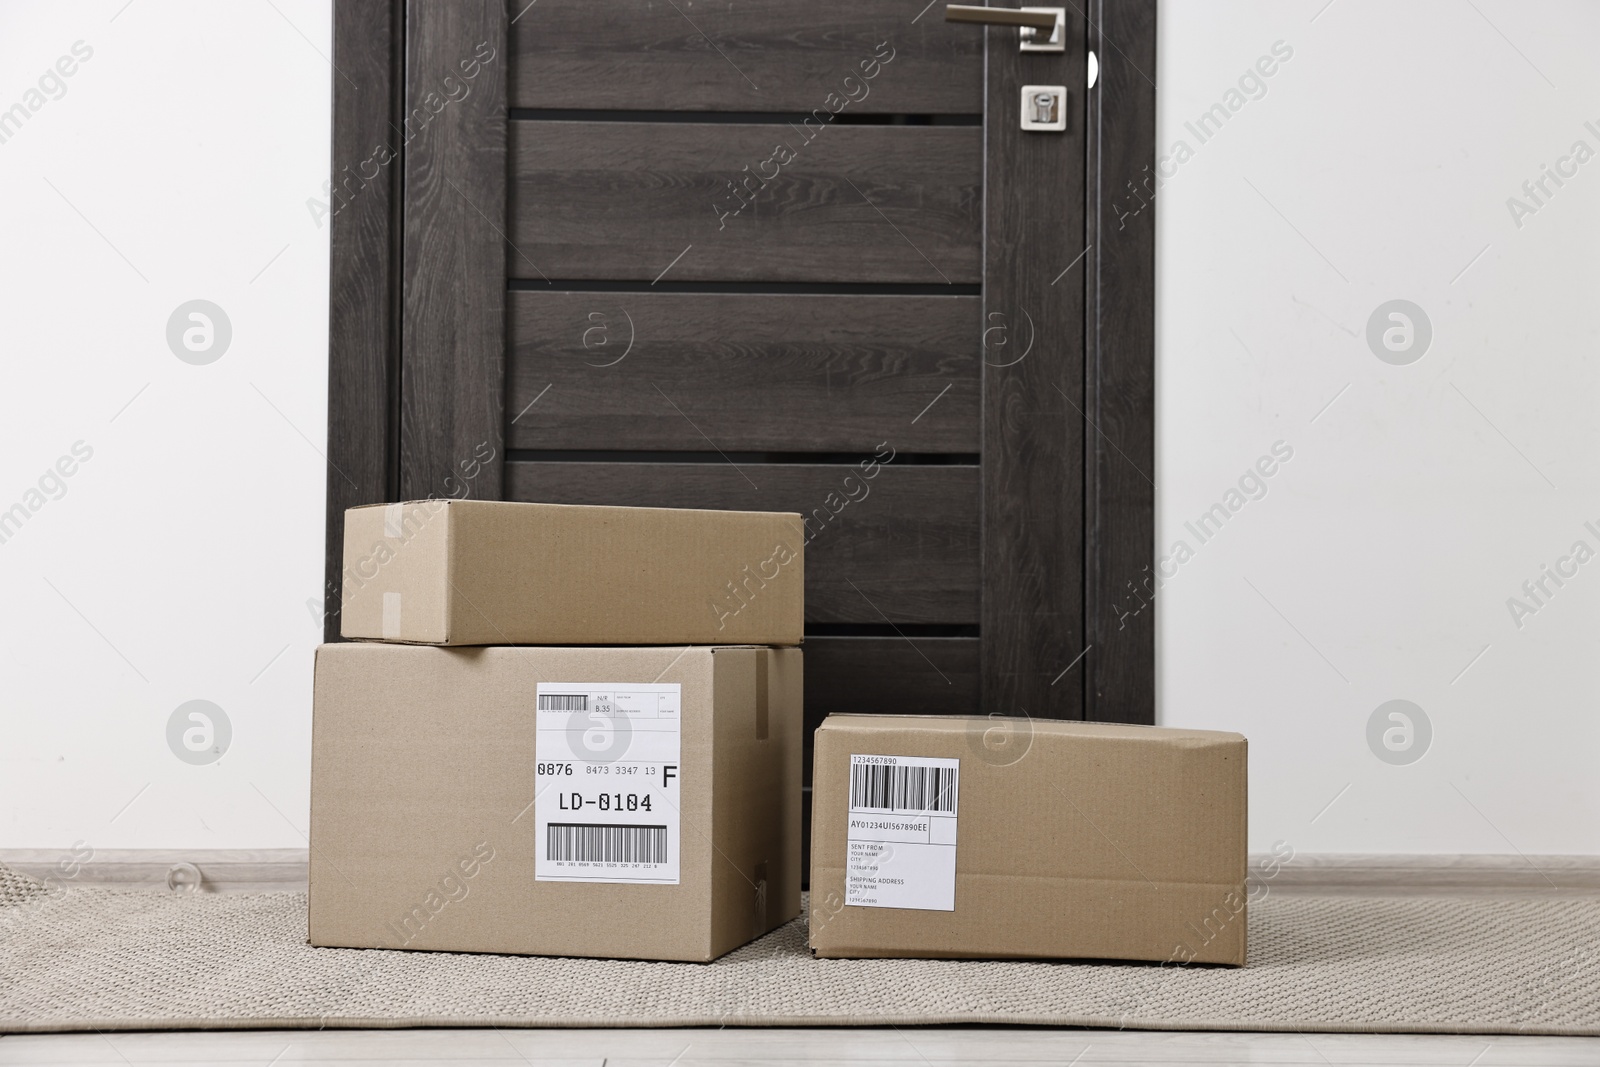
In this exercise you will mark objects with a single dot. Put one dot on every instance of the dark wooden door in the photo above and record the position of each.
(771, 255)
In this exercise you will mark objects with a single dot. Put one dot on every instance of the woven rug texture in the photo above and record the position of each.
(79, 959)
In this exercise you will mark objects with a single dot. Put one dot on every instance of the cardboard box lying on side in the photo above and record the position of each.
(475, 572)
(639, 803)
(989, 837)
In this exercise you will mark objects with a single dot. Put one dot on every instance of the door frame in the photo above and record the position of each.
(1119, 366)
(387, 439)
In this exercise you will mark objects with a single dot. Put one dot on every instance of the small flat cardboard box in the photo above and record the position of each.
(953, 837)
(476, 572)
(685, 797)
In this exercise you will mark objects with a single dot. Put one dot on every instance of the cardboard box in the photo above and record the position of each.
(474, 572)
(992, 837)
(467, 800)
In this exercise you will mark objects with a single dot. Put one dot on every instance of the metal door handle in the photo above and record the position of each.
(1043, 28)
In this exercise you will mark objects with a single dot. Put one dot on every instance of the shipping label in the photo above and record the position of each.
(606, 781)
(902, 835)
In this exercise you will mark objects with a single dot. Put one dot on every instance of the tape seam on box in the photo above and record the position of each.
(391, 616)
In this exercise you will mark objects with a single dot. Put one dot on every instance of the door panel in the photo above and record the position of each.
(904, 551)
(754, 55)
(755, 372)
(890, 675)
(777, 201)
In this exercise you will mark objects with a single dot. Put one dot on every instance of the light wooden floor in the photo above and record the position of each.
(931, 1047)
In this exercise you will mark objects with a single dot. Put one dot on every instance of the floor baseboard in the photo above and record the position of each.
(168, 870)
(1437, 874)
(284, 870)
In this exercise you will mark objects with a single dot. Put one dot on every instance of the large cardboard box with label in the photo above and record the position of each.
(995, 837)
(639, 803)
(477, 572)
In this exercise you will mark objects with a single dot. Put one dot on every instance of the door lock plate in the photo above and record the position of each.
(1044, 107)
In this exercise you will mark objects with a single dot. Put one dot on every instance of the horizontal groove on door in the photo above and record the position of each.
(899, 631)
(840, 459)
(904, 550)
(735, 373)
(642, 201)
(775, 118)
(753, 55)
(887, 676)
(600, 285)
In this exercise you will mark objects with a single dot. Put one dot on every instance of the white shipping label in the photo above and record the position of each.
(902, 839)
(606, 781)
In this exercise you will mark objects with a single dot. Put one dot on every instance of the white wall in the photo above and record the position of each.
(177, 560)
(1377, 165)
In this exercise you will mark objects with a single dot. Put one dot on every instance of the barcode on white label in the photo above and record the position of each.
(900, 850)
(595, 843)
(889, 787)
(563, 702)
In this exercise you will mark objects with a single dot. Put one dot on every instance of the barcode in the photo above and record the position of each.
(563, 702)
(879, 785)
(593, 843)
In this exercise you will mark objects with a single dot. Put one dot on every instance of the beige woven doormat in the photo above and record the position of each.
(78, 959)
